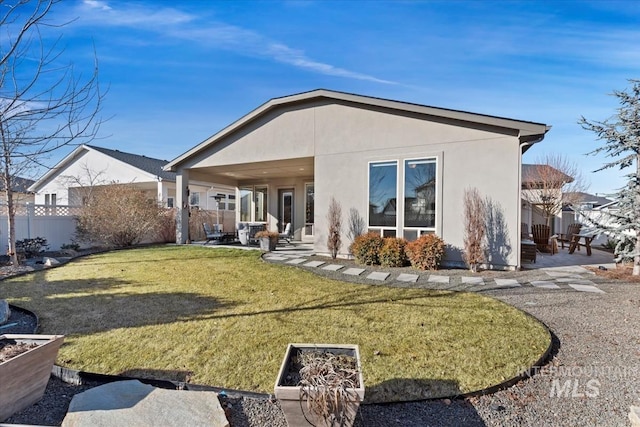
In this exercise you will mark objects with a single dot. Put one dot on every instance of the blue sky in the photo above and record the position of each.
(180, 71)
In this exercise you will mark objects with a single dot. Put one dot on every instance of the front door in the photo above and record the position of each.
(285, 208)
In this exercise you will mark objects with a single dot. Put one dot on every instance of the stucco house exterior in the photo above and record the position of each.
(90, 166)
(291, 155)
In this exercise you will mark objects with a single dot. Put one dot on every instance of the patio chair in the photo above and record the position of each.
(568, 236)
(286, 234)
(542, 238)
(212, 235)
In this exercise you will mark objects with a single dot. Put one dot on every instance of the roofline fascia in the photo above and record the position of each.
(533, 130)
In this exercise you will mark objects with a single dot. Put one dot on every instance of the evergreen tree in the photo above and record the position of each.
(621, 136)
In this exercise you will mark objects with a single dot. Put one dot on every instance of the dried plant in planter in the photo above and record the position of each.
(327, 383)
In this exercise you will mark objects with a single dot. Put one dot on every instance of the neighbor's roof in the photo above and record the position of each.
(539, 173)
(19, 185)
(146, 164)
(529, 132)
(587, 198)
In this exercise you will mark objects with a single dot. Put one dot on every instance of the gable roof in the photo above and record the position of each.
(19, 184)
(588, 198)
(540, 174)
(528, 132)
(146, 164)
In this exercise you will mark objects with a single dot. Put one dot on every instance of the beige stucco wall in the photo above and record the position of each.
(343, 138)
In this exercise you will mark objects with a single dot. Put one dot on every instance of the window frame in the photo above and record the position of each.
(420, 230)
(383, 230)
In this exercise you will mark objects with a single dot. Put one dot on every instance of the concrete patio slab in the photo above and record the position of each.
(438, 279)
(332, 267)
(276, 258)
(378, 275)
(472, 280)
(507, 282)
(404, 277)
(544, 284)
(353, 271)
(313, 264)
(586, 288)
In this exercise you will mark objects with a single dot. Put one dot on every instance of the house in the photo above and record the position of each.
(542, 195)
(589, 209)
(291, 155)
(89, 167)
(20, 189)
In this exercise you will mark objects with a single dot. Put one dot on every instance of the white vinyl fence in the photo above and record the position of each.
(57, 224)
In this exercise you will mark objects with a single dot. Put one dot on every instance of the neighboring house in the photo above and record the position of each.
(364, 152)
(589, 210)
(89, 167)
(542, 185)
(20, 190)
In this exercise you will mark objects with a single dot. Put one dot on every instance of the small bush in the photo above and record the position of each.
(366, 248)
(392, 253)
(426, 252)
(70, 246)
(31, 247)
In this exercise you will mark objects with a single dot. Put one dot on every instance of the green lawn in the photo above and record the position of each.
(226, 317)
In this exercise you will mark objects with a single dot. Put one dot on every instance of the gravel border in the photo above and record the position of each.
(595, 357)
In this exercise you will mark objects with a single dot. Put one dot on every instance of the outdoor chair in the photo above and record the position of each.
(212, 235)
(543, 239)
(286, 234)
(568, 236)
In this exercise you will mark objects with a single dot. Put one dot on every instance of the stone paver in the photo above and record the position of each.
(353, 271)
(544, 284)
(297, 261)
(586, 288)
(472, 280)
(562, 274)
(572, 280)
(404, 277)
(276, 258)
(332, 267)
(378, 275)
(438, 279)
(313, 264)
(507, 282)
(132, 403)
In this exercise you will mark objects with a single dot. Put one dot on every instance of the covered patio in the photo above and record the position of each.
(564, 259)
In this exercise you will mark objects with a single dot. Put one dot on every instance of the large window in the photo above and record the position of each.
(246, 195)
(194, 199)
(420, 193)
(383, 194)
(261, 204)
(308, 209)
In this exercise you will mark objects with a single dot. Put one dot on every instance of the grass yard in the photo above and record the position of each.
(223, 317)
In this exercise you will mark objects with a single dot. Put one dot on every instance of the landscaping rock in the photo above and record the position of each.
(132, 403)
(51, 261)
(4, 311)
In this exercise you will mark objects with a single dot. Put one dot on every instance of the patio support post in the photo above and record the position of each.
(182, 206)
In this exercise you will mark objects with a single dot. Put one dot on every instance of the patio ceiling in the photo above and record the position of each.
(289, 168)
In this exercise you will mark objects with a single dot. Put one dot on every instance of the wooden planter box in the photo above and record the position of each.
(295, 411)
(25, 377)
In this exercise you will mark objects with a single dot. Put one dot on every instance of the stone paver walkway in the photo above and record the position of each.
(568, 278)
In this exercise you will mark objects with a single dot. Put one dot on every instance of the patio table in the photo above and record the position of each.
(588, 238)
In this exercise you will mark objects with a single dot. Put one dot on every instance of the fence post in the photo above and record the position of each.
(30, 215)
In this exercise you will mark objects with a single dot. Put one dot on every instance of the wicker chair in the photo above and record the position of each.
(542, 238)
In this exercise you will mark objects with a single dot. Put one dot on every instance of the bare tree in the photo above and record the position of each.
(550, 183)
(334, 219)
(475, 228)
(44, 103)
(85, 183)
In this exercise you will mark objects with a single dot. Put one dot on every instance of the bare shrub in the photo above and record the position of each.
(334, 219)
(475, 229)
(167, 226)
(118, 215)
(355, 224)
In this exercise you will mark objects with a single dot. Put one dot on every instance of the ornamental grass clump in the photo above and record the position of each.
(327, 383)
(366, 248)
(392, 253)
(426, 252)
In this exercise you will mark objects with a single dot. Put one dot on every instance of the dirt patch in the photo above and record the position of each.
(10, 349)
(622, 272)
